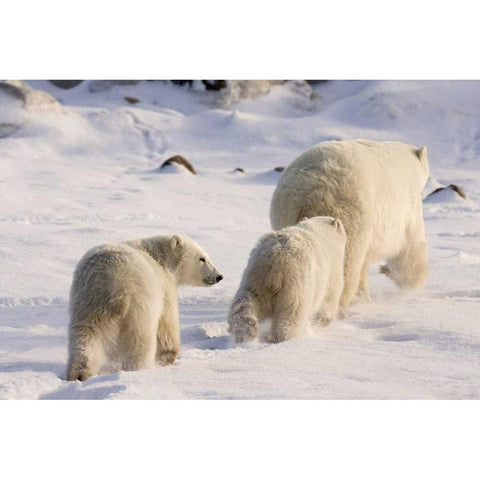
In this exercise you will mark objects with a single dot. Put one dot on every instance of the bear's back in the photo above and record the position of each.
(344, 177)
(360, 156)
(280, 250)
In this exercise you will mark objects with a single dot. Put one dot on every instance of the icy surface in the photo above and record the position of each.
(87, 173)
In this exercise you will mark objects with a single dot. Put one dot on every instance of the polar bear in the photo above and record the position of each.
(123, 302)
(293, 276)
(375, 188)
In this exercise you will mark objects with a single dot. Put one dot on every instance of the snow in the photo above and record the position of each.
(87, 173)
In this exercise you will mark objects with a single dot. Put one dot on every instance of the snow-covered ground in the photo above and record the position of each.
(86, 172)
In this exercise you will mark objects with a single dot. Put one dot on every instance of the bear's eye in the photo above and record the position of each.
(202, 260)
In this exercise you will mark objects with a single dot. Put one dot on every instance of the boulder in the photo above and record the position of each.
(179, 160)
(215, 84)
(131, 100)
(66, 84)
(452, 193)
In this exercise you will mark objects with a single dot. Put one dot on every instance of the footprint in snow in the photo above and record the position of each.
(469, 294)
(373, 325)
(400, 337)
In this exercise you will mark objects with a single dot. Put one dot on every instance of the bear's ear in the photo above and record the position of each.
(175, 242)
(422, 154)
(337, 223)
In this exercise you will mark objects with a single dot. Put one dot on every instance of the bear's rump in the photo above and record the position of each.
(108, 284)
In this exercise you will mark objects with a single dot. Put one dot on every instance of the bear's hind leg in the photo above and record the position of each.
(287, 322)
(86, 354)
(244, 316)
(408, 269)
(329, 310)
(168, 335)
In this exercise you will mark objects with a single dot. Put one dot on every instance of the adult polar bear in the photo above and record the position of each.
(375, 189)
(123, 302)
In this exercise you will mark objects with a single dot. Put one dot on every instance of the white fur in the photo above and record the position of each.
(293, 276)
(375, 189)
(123, 302)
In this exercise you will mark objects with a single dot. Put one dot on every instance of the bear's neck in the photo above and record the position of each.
(159, 252)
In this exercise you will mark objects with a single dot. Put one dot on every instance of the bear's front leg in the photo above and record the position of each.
(355, 260)
(245, 330)
(168, 334)
(86, 353)
(288, 323)
(363, 291)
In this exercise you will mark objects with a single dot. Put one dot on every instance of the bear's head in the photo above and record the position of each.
(320, 222)
(193, 264)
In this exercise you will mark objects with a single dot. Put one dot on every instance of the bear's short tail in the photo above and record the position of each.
(243, 316)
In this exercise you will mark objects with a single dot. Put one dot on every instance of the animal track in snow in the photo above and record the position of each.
(371, 325)
(154, 139)
(399, 337)
(468, 294)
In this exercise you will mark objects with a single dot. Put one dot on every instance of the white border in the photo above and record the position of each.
(214, 439)
(240, 439)
(344, 39)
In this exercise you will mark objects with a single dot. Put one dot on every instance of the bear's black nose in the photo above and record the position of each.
(219, 277)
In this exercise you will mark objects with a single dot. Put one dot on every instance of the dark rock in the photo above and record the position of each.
(179, 160)
(453, 187)
(241, 170)
(14, 90)
(182, 82)
(132, 100)
(279, 169)
(383, 269)
(215, 84)
(316, 82)
(66, 84)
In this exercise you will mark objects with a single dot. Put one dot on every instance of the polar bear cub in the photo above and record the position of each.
(123, 302)
(375, 188)
(293, 275)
